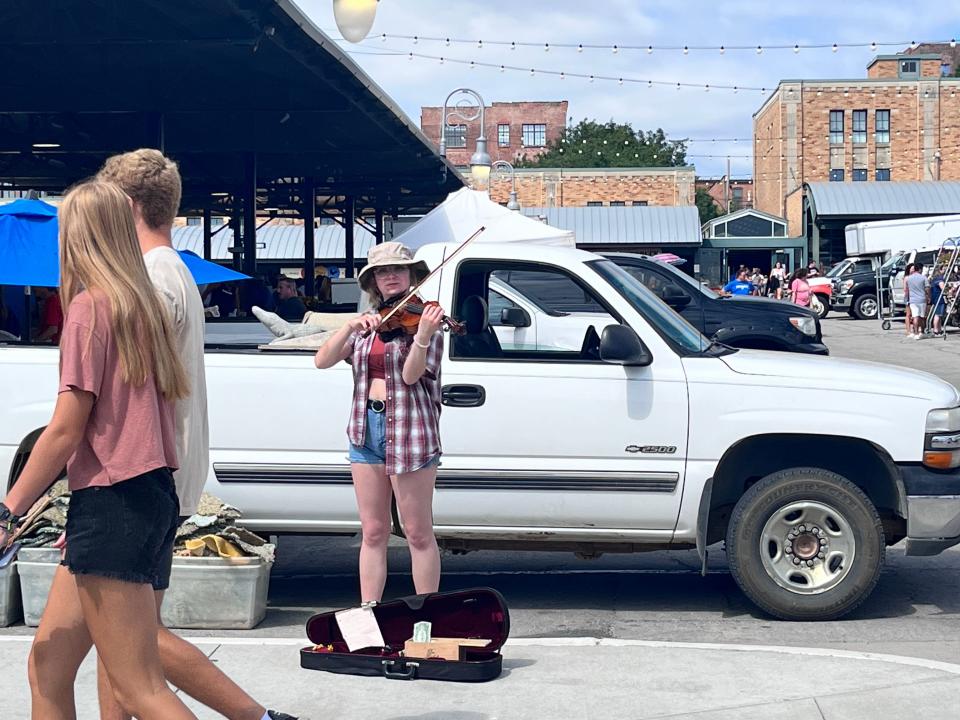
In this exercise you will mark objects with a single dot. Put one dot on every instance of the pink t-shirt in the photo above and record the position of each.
(801, 292)
(131, 429)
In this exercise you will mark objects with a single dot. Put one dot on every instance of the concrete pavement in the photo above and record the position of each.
(576, 678)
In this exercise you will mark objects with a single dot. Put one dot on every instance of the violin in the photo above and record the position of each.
(401, 316)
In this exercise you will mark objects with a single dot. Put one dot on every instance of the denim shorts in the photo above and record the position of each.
(374, 448)
(125, 531)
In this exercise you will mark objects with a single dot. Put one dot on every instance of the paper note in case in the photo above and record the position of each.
(359, 628)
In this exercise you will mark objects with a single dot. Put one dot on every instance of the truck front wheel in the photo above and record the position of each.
(865, 306)
(805, 544)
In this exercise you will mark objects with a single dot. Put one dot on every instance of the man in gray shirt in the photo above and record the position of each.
(916, 290)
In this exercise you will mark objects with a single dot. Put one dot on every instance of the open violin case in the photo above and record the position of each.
(475, 613)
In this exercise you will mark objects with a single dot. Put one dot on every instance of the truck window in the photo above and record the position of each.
(661, 285)
(566, 328)
(496, 304)
(554, 292)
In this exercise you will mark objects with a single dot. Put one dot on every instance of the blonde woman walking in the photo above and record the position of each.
(113, 427)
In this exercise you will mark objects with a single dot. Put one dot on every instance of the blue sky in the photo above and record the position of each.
(692, 113)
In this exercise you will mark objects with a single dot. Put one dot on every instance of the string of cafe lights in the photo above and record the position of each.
(615, 48)
(563, 75)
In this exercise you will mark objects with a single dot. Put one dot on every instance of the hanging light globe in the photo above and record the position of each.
(354, 17)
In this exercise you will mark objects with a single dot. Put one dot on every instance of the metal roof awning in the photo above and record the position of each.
(882, 199)
(630, 225)
(279, 242)
(233, 90)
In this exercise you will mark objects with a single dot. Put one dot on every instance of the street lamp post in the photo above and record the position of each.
(512, 203)
(480, 160)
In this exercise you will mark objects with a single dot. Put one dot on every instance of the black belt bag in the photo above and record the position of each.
(378, 406)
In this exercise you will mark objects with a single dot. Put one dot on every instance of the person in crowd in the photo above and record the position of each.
(118, 359)
(800, 288)
(908, 315)
(777, 280)
(220, 296)
(257, 292)
(51, 315)
(759, 281)
(324, 286)
(394, 429)
(916, 294)
(812, 270)
(289, 305)
(9, 323)
(938, 299)
(152, 181)
(739, 286)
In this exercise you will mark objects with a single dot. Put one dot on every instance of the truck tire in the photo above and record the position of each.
(865, 306)
(805, 544)
(824, 306)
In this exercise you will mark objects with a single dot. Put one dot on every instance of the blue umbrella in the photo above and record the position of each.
(29, 254)
(205, 272)
(28, 244)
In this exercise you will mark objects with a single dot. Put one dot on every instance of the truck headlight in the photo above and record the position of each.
(846, 285)
(941, 448)
(943, 421)
(806, 325)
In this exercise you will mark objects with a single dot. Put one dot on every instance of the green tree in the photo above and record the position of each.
(590, 144)
(706, 206)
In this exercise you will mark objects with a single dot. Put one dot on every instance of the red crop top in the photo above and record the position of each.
(375, 361)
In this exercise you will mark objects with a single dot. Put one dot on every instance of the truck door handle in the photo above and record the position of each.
(463, 395)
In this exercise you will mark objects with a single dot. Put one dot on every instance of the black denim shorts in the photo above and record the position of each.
(125, 531)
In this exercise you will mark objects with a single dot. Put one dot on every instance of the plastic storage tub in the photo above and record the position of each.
(11, 607)
(36, 567)
(217, 593)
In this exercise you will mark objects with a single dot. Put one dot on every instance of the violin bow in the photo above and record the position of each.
(433, 272)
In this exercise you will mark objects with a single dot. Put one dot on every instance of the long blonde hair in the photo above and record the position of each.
(100, 253)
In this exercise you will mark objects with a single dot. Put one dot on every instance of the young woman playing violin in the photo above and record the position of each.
(394, 428)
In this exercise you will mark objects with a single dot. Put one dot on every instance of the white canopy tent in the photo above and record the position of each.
(465, 211)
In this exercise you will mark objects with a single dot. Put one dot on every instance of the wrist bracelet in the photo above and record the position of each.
(8, 525)
(419, 345)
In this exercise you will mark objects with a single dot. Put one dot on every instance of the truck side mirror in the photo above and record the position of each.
(515, 317)
(676, 299)
(620, 345)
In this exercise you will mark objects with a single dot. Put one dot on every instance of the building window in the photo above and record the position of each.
(883, 127)
(909, 70)
(594, 203)
(859, 127)
(217, 221)
(503, 135)
(534, 135)
(836, 127)
(194, 221)
(883, 175)
(638, 203)
(617, 203)
(836, 176)
(859, 174)
(456, 136)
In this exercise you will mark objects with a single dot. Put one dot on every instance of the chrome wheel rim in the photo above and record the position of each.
(869, 308)
(807, 547)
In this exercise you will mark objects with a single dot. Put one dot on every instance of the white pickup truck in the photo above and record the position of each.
(645, 436)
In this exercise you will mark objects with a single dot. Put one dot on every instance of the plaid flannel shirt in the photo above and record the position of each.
(413, 411)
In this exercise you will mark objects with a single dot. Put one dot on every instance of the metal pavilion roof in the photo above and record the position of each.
(228, 88)
(883, 199)
(629, 225)
(278, 242)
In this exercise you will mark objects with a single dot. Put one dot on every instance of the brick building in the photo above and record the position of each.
(513, 129)
(737, 196)
(900, 122)
(597, 187)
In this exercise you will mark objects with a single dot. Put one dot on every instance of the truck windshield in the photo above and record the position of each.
(838, 269)
(673, 328)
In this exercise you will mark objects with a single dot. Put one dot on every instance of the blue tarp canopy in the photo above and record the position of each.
(29, 254)
(28, 244)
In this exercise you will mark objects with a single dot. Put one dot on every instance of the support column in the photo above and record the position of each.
(378, 220)
(349, 213)
(249, 195)
(207, 235)
(309, 248)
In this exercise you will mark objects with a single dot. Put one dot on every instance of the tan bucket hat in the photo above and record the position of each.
(391, 253)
